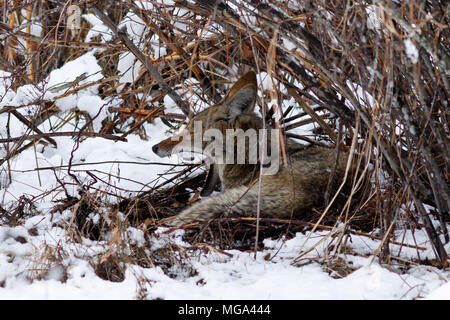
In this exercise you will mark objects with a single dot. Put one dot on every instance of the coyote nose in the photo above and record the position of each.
(155, 148)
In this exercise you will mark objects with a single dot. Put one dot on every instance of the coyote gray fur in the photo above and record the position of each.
(290, 192)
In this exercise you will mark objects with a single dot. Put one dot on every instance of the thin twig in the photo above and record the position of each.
(64, 134)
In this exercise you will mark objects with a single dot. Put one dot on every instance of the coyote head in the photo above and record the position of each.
(235, 111)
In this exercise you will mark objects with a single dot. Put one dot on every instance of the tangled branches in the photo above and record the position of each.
(375, 69)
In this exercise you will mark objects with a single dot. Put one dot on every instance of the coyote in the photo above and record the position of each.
(295, 188)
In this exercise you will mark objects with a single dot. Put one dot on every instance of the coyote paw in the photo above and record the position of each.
(202, 211)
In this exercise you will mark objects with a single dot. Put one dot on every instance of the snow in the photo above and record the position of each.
(411, 51)
(27, 270)
(441, 293)
(129, 67)
(234, 276)
(98, 28)
(373, 17)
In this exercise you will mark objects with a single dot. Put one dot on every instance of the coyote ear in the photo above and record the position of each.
(242, 96)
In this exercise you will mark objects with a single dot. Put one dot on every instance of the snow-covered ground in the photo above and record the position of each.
(27, 273)
(220, 275)
(39, 260)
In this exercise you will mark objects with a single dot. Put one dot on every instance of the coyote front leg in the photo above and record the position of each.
(240, 201)
(237, 201)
